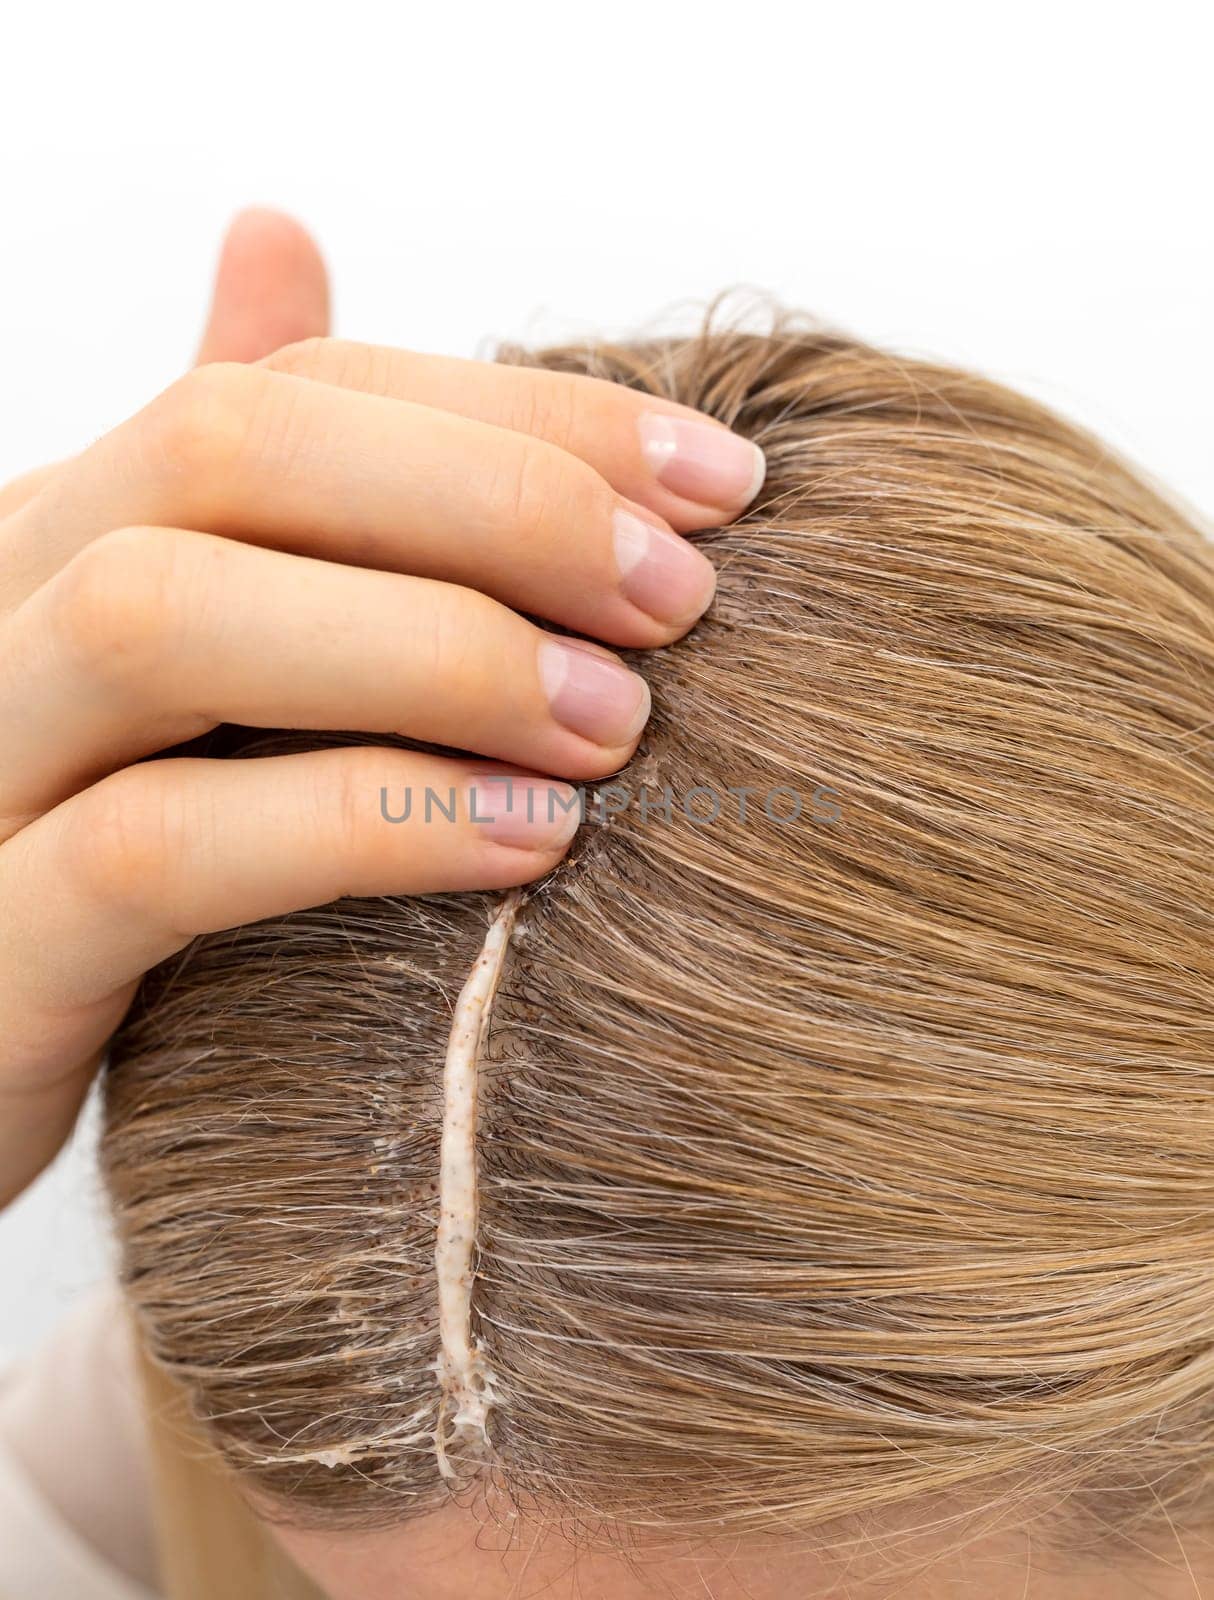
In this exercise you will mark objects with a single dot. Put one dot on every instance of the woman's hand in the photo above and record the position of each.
(335, 537)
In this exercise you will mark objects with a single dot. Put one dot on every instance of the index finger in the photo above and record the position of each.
(689, 468)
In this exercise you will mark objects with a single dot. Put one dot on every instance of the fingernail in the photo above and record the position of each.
(660, 573)
(524, 813)
(702, 461)
(593, 695)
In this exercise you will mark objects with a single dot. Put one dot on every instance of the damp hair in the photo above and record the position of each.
(827, 1167)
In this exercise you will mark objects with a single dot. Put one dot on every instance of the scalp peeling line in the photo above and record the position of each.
(466, 1379)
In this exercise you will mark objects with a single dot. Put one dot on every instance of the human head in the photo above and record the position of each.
(836, 1171)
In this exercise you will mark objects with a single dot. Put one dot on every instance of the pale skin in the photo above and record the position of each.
(328, 536)
(307, 533)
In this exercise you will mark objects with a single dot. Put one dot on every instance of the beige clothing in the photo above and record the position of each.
(76, 1518)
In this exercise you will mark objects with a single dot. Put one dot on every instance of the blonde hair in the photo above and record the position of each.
(827, 1164)
(210, 1545)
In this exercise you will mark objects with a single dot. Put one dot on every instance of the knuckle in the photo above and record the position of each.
(353, 803)
(115, 608)
(546, 407)
(542, 488)
(344, 363)
(459, 621)
(303, 358)
(123, 837)
(199, 426)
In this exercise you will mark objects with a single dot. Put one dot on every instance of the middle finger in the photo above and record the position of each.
(377, 482)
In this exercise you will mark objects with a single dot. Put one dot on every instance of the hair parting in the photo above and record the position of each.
(464, 1373)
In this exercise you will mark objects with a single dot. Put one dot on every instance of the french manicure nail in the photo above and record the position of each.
(702, 461)
(662, 574)
(522, 812)
(593, 695)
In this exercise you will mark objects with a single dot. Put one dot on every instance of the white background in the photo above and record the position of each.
(1025, 189)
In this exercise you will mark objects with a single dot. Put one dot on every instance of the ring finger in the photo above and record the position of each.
(151, 636)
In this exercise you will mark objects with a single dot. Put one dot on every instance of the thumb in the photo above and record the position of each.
(271, 288)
